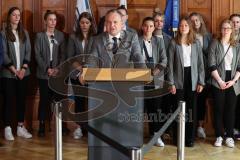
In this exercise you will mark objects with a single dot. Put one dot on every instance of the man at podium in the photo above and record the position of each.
(115, 48)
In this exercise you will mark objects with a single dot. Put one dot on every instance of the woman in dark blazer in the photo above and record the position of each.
(186, 72)
(15, 73)
(224, 64)
(48, 48)
(154, 53)
(205, 39)
(80, 43)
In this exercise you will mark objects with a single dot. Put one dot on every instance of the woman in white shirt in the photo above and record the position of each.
(186, 73)
(224, 65)
(48, 48)
(15, 72)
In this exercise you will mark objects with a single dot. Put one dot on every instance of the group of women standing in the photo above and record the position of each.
(49, 49)
(189, 57)
(198, 66)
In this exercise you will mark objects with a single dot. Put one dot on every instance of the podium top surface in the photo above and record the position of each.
(117, 74)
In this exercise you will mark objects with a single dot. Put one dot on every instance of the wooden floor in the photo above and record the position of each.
(43, 149)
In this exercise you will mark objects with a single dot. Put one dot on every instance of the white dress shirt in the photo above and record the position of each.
(148, 45)
(17, 49)
(187, 55)
(228, 58)
(51, 47)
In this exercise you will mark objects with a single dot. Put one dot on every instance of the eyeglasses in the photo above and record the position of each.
(226, 28)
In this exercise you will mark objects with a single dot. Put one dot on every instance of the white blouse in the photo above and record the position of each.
(51, 42)
(17, 49)
(148, 45)
(228, 58)
(187, 55)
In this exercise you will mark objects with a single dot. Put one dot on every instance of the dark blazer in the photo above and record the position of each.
(166, 39)
(1, 50)
(158, 50)
(216, 53)
(128, 55)
(176, 67)
(10, 55)
(207, 38)
(75, 48)
(42, 52)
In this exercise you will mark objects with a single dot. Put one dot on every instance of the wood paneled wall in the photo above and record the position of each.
(213, 11)
(33, 10)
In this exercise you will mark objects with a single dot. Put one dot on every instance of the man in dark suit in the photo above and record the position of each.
(115, 48)
(126, 50)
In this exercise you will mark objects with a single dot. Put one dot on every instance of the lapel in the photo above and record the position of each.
(21, 51)
(193, 53)
(80, 47)
(48, 47)
(12, 50)
(54, 51)
(205, 41)
(107, 45)
(179, 50)
(141, 43)
(155, 49)
(234, 60)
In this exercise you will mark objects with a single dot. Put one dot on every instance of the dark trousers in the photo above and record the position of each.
(80, 101)
(14, 89)
(201, 104)
(46, 97)
(153, 108)
(237, 115)
(224, 104)
(186, 94)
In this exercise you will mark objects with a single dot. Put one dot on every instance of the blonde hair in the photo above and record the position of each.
(232, 40)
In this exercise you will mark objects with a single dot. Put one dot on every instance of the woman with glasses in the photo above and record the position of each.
(186, 73)
(224, 64)
(204, 38)
(48, 48)
(15, 72)
(79, 44)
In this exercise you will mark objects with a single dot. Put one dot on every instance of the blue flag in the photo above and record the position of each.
(84, 6)
(171, 16)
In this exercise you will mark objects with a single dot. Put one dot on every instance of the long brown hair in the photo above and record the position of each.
(202, 30)
(79, 32)
(190, 37)
(232, 40)
(9, 34)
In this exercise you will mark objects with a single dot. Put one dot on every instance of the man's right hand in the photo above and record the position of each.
(172, 89)
(81, 80)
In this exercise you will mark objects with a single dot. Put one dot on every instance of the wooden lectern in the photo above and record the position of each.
(124, 123)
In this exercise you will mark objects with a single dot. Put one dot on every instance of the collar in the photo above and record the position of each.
(117, 36)
(124, 27)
